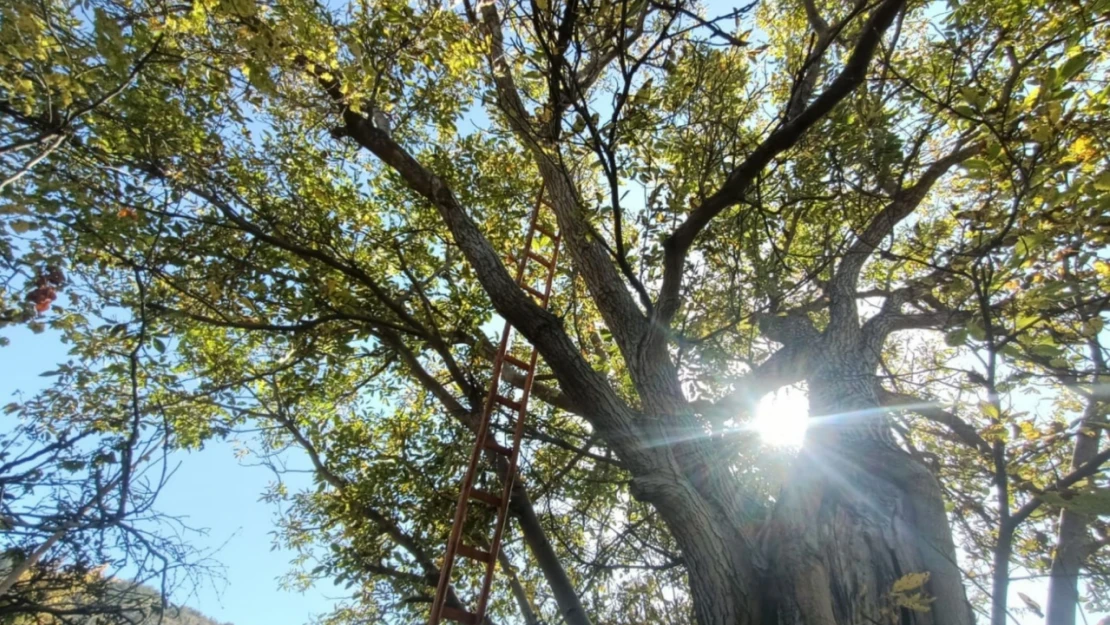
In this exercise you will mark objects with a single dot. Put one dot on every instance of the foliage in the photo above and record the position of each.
(199, 191)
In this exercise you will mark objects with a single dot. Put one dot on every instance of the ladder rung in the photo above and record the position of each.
(516, 362)
(534, 292)
(486, 497)
(459, 616)
(539, 259)
(544, 231)
(508, 403)
(493, 445)
(475, 554)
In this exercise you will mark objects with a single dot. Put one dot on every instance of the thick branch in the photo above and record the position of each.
(790, 364)
(878, 328)
(732, 191)
(610, 294)
(608, 412)
(843, 310)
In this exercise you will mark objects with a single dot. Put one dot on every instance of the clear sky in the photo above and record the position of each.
(209, 490)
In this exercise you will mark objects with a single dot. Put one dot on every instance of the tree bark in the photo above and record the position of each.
(566, 597)
(858, 514)
(1072, 539)
(723, 584)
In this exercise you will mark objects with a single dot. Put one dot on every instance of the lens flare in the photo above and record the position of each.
(781, 417)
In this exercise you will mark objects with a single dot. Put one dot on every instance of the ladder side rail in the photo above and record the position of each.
(518, 435)
(488, 407)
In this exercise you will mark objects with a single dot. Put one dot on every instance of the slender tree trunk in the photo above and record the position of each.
(857, 515)
(1063, 585)
(570, 607)
(1000, 582)
(518, 590)
(1004, 546)
(1072, 539)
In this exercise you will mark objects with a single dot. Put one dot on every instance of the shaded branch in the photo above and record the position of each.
(932, 411)
(1088, 469)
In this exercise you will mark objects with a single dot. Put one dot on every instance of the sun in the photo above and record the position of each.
(781, 418)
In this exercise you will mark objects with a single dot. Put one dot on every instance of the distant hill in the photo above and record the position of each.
(183, 616)
(69, 599)
(145, 613)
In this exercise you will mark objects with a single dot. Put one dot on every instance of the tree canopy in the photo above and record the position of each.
(296, 219)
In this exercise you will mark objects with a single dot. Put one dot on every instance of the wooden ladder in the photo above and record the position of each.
(486, 443)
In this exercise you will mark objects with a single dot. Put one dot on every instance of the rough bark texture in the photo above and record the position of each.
(857, 515)
(722, 583)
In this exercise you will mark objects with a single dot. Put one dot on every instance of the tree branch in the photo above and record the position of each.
(732, 191)
(1088, 469)
(932, 411)
(843, 309)
(608, 412)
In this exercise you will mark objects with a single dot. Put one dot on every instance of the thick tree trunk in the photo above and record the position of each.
(857, 515)
(723, 584)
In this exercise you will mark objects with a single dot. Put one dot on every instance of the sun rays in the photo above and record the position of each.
(780, 418)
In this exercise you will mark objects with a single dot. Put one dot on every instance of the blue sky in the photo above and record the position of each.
(211, 490)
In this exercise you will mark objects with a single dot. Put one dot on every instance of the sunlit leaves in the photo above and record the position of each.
(296, 287)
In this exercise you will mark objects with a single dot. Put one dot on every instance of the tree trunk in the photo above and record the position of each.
(570, 607)
(723, 586)
(858, 514)
(1063, 585)
(1071, 542)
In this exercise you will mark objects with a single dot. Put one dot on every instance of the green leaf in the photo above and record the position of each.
(1074, 65)
(976, 164)
(1047, 350)
(1093, 502)
(1092, 327)
(1102, 182)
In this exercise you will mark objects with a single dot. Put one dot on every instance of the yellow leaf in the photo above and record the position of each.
(1032, 96)
(1082, 150)
(916, 602)
(911, 581)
